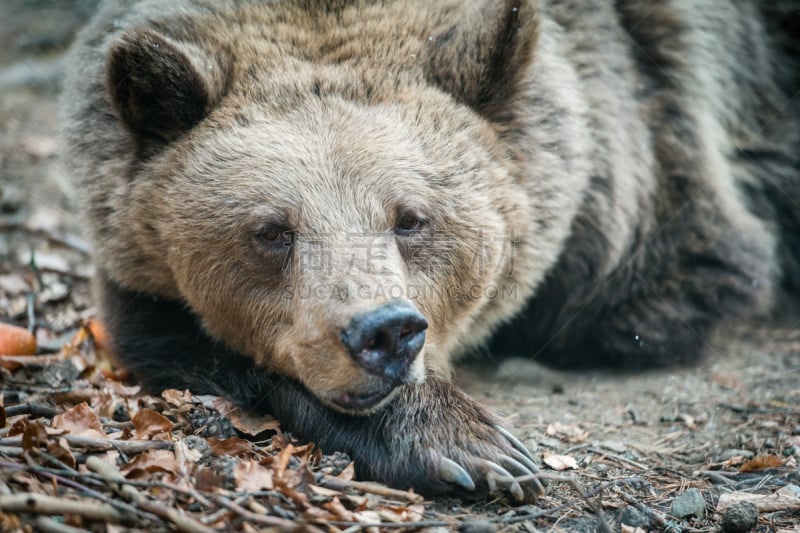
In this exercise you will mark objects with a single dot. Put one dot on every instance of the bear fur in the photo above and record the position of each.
(595, 182)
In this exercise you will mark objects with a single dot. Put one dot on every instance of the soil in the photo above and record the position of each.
(634, 442)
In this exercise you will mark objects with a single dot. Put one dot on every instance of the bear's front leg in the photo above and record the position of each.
(432, 437)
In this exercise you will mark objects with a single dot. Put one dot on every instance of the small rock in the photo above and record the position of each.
(631, 516)
(730, 454)
(740, 517)
(690, 503)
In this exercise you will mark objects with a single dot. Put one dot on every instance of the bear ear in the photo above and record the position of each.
(159, 88)
(481, 60)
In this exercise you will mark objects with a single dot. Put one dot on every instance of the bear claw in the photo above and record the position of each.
(452, 472)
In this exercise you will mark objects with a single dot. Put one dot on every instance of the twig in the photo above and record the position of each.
(48, 525)
(371, 488)
(34, 409)
(26, 502)
(716, 477)
(130, 493)
(619, 458)
(121, 506)
(422, 524)
(656, 517)
(92, 443)
(253, 517)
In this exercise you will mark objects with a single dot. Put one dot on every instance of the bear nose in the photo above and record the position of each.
(385, 341)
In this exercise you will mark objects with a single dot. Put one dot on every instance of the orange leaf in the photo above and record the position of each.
(761, 462)
(34, 434)
(233, 446)
(251, 476)
(150, 425)
(99, 334)
(151, 461)
(80, 420)
(15, 340)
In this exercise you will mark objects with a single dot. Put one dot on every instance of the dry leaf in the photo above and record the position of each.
(251, 477)
(761, 462)
(149, 462)
(33, 434)
(252, 423)
(568, 433)
(559, 462)
(233, 446)
(177, 398)
(348, 473)
(151, 425)
(81, 421)
(60, 450)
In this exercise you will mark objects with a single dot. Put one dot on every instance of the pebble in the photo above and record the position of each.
(690, 503)
(631, 516)
(740, 517)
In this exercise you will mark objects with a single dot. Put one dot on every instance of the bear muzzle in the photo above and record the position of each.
(384, 341)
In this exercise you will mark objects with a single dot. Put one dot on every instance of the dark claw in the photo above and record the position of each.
(497, 476)
(519, 470)
(530, 465)
(452, 472)
(515, 442)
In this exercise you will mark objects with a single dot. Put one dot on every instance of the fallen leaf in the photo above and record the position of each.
(33, 434)
(568, 433)
(177, 398)
(233, 446)
(81, 421)
(15, 340)
(251, 423)
(99, 334)
(348, 473)
(251, 477)
(559, 462)
(150, 462)
(150, 425)
(761, 462)
(60, 450)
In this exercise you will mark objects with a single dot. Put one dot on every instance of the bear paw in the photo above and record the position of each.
(438, 440)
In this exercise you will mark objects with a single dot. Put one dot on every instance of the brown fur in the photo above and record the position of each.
(638, 159)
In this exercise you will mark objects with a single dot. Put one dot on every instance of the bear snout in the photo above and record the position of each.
(385, 341)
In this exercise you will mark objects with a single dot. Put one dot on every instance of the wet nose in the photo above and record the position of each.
(385, 341)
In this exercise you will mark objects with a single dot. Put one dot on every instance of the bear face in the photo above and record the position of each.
(281, 267)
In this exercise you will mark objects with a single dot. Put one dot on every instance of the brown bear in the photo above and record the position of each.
(312, 207)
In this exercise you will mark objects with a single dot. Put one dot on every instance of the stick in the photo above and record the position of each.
(130, 493)
(92, 443)
(48, 525)
(253, 517)
(371, 488)
(26, 502)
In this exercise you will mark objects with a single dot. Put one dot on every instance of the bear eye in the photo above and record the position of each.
(409, 224)
(273, 235)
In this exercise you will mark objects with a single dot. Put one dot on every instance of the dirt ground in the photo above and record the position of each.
(623, 450)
